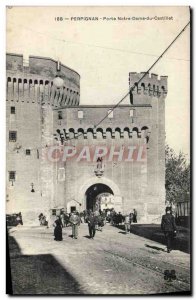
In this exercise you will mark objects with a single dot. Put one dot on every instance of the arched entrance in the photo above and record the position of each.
(112, 186)
(95, 195)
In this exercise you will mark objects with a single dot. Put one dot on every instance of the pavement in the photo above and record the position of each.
(154, 232)
(111, 264)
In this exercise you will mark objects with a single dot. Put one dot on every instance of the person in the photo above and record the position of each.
(96, 217)
(81, 217)
(168, 226)
(58, 231)
(85, 213)
(66, 220)
(40, 217)
(108, 216)
(114, 220)
(20, 216)
(127, 223)
(75, 222)
(103, 215)
(58, 217)
(42, 220)
(19, 219)
(100, 221)
(62, 217)
(119, 219)
(131, 217)
(92, 221)
(134, 215)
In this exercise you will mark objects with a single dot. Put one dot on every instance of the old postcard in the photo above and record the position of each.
(98, 150)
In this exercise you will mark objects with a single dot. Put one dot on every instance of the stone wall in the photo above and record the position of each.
(31, 93)
(141, 184)
(45, 116)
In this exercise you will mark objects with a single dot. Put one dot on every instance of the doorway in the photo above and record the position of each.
(94, 195)
(73, 208)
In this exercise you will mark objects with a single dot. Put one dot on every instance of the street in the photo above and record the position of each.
(112, 263)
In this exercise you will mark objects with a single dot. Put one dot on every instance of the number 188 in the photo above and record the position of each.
(58, 18)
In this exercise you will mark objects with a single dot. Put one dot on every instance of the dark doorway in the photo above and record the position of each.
(93, 191)
(73, 208)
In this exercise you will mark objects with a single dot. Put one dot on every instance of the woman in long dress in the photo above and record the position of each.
(58, 231)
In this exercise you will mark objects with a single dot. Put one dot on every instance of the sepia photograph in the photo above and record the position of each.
(98, 197)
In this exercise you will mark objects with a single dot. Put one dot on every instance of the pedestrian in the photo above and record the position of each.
(127, 223)
(58, 231)
(119, 219)
(40, 218)
(96, 217)
(62, 217)
(66, 220)
(75, 222)
(103, 215)
(85, 213)
(134, 215)
(113, 218)
(92, 221)
(57, 218)
(131, 217)
(81, 217)
(168, 226)
(20, 218)
(100, 221)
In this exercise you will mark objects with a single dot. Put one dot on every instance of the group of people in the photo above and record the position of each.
(117, 218)
(94, 219)
(14, 219)
(60, 222)
(42, 220)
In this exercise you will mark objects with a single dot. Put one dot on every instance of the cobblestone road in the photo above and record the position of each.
(112, 263)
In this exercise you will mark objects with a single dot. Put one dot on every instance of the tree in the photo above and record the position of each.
(177, 176)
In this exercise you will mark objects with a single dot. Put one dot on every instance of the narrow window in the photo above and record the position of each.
(60, 115)
(53, 212)
(12, 136)
(12, 175)
(13, 110)
(28, 152)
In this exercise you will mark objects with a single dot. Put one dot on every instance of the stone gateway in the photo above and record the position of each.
(119, 163)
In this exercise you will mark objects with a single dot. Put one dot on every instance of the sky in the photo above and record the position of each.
(103, 52)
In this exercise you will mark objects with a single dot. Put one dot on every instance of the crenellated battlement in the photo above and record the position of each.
(150, 85)
(63, 134)
(32, 81)
(34, 89)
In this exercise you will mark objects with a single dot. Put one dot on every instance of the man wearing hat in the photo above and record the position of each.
(168, 226)
(75, 222)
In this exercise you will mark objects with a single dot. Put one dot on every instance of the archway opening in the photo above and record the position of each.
(99, 196)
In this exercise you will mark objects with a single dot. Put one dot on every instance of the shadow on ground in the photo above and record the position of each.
(39, 274)
(154, 233)
(87, 237)
(154, 247)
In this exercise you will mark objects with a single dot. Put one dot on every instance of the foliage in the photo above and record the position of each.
(177, 176)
